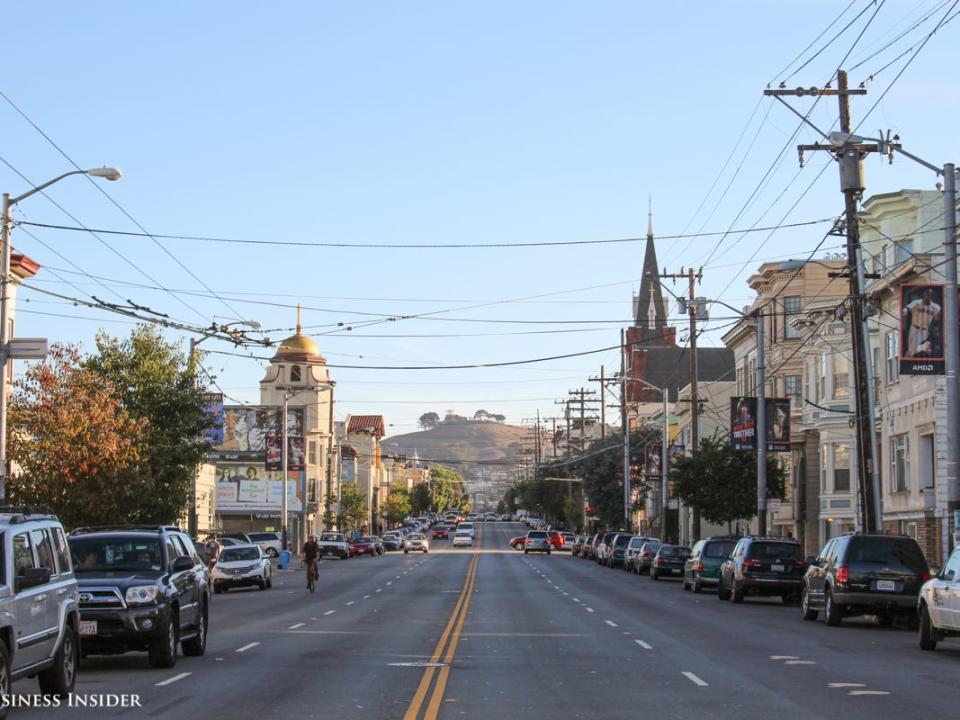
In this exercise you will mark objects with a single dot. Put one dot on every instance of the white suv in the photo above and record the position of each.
(939, 604)
(39, 604)
(466, 527)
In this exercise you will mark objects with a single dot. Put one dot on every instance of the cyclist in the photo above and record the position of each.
(311, 555)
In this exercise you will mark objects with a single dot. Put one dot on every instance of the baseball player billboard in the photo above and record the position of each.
(921, 330)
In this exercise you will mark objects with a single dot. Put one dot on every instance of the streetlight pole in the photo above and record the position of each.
(6, 221)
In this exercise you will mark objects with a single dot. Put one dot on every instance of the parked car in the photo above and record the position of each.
(39, 605)
(334, 544)
(556, 539)
(416, 541)
(461, 539)
(242, 566)
(631, 552)
(537, 541)
(270, 542)
(568, 539)
(939, 604)
(392, 540)
(702, 568)
(577, 545)
(865, 574)
(644, 559)
(763, 567)
(602, 546)
(589, 546)
(441, 532)
(618, 547)
(669, 560)
(364, 545)
(142, 587)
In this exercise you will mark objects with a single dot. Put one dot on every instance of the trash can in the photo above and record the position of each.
(284, 559)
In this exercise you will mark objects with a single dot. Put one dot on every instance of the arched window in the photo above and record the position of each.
(295, 373)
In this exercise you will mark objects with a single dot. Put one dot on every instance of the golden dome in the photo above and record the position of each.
(299, 344)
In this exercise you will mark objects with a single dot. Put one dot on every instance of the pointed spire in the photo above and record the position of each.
(650, 216)
(299, 326)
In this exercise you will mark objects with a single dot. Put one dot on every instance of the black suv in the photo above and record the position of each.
(865, 573)
(764, 567)
(142, 587)
(617, 549)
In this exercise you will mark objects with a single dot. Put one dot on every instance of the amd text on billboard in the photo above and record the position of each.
(921, 330)
(743, 424)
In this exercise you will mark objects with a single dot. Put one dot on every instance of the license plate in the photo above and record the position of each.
(776, 568)
(887, 585)
(88, 627)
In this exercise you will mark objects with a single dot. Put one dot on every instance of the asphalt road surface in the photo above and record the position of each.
(489, 632)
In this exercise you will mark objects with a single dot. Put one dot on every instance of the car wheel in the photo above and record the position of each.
(59, 679)
(197, 645)
(654, 575)
(270, 582)
(928, 635)
(722, 593)
(885, 620)
(736, 595)
(406, 552)
(788, 598)
(217, 589)
(262, 584)
(425, 551)
(832, 611)
(163, 652)
(4, 678)
(272, 552)
(525, 552)
(805, 610)
(697, 585)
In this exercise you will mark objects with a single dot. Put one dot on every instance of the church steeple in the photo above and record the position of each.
(650, 309)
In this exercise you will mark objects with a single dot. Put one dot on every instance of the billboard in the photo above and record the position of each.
(743, 424)
(245, 428)
(248, 488)
(295, 442)
(778, 424)
(921, 330)
(213, 409)
(652, 461)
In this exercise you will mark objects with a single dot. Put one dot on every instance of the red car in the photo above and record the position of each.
(518, 542)
(556, 539)
(441, 531)
(363, 546)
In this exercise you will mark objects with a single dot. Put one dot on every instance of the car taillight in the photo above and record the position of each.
(800, 565)
(926, 575)
(528, 541)
(750, 562)
(661, 561)
(698, 567)
(648, 554)
(843, 575)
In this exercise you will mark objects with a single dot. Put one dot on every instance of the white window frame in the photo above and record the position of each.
(900, 446)
(892, 344)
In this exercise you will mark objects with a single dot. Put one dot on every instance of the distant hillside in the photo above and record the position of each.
(465, 441)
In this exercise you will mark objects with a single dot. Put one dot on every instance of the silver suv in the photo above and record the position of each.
(537, 541)
(39, 606)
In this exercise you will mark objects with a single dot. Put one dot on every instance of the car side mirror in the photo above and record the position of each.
(937, 572)
(811, 560)
(182, 564)
(32, 577)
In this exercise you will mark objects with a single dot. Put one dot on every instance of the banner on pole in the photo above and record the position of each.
(921, 330)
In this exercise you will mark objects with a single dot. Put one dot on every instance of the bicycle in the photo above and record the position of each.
(313, 574)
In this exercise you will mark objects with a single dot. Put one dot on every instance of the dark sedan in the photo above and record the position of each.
(669, 561)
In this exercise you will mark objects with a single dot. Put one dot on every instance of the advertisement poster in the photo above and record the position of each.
(743, 424)
(778, 424)
(213, 408)
(921, 330)
(295, 443)
(652, 461)
(244, 432)
(248, 488)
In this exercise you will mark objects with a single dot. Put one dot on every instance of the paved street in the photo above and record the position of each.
(490, 632)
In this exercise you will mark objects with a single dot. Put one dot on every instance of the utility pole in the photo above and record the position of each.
(603, 404)
(627, 489)
(761, 429)
(692, 278)
(849, 150)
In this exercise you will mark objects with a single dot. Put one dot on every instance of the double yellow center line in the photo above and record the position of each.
(449, 640)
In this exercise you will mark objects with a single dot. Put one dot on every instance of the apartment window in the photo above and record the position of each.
(893, 359)
(791, 386)
(312, 452)
(899, 462)
(841, 467)
(903, 251)
(752, 369)
(822, 376)
(841, 376)
(791, 306)
(824, 464)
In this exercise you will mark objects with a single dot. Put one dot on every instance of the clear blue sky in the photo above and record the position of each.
(437, 122)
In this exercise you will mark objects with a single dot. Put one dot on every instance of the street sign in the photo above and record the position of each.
(773, 506)
(27, 349)
(673, 504)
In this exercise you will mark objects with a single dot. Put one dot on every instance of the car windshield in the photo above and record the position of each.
(539, 534)
(651, 547)
(463, 534)
(109, 554)
(367, 539)
(719, 549)
(415, 536)
(892, 551)
(622, 540)
(240, 553)
(260, 537)
(774, 550)
(332, 537)
(674, 551)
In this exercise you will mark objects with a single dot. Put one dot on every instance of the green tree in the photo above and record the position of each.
(429, 420)
(397, 505)
(446, 488)
(353, 507)
(157, 387)
(72, 442)
(722, 484)
(420, 499)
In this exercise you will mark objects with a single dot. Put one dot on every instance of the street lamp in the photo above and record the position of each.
(193, 521)
(6, 221)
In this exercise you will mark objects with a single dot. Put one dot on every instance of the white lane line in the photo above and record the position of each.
(566, 594)
(589, 609)
(694, 679)
(365, 597)
(576, 599)
(181, 676)
(800, 662)
(379, 590)
(351, 602)
(611, 623)
(396, 577)
(247, 647)
(644, 645)
(329, 612)
(294, 627)
(389, 583)
(868, 692)
(784, 657)
(846, 685)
